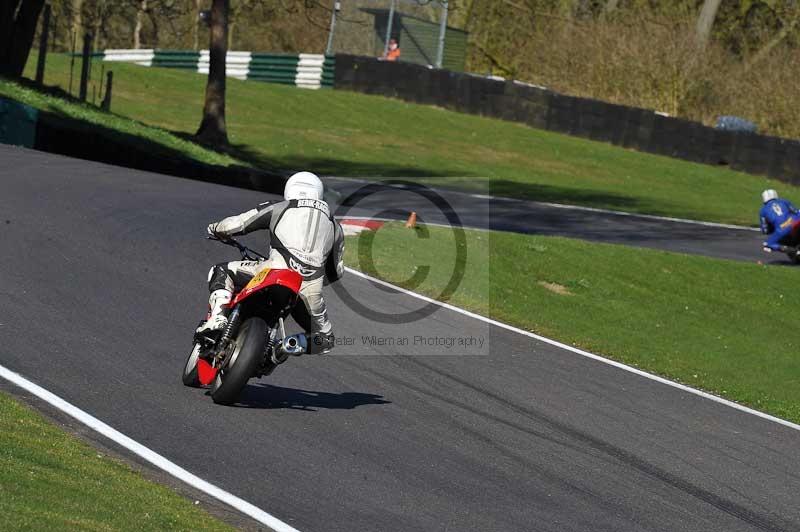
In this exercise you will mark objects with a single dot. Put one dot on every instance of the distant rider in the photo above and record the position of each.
(778, 220)
(304, 237)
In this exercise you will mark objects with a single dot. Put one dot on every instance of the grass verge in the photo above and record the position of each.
(348, 134)
(51, 481)
(722, 326)
(135, 130)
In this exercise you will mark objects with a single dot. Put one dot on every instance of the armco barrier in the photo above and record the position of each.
(310, 71)
(631, 127)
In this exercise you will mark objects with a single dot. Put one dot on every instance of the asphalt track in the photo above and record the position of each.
(102, 277)
(530, 217)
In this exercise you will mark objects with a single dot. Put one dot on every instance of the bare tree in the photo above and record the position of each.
(196, 25)
(76, 17)
(141, 9)
(101, 13)
(212, 129)
(706, 20)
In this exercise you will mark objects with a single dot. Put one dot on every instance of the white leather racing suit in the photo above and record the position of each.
(304, 237)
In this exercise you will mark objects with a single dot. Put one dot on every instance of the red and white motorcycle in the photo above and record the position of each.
(254, 342)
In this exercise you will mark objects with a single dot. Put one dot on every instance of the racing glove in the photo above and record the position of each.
(213, 231)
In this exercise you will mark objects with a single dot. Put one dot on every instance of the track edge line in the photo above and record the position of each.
(146, 453)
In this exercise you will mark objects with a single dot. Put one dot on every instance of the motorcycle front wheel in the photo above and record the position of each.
(190, 377)
(242, 364)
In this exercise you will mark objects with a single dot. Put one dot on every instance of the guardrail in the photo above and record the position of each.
(538, 107)
(309, 71)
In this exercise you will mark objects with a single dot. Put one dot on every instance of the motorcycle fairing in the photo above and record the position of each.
(269, 277)
(206, 373)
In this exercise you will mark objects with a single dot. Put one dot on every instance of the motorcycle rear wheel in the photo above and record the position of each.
(243, 363)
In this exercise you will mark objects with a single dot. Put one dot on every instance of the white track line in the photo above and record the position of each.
(647, 216)
(581, 352)
(563, 206)
(151, 456)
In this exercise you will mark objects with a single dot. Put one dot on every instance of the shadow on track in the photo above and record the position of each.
(270, 396)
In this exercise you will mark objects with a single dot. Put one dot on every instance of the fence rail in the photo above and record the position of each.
(309, 71)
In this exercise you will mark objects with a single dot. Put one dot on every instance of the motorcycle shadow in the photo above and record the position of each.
(269, 396)
(780, 262)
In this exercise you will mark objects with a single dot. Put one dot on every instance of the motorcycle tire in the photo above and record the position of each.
(190, 377)
(243, 363)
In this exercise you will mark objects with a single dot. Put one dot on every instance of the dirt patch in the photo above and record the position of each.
(556, 288)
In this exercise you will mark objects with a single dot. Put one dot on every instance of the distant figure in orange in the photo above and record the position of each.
(393, 53)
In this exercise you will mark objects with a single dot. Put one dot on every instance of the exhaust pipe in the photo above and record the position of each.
(294, 345)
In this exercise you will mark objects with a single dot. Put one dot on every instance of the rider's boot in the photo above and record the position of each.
(217, 319)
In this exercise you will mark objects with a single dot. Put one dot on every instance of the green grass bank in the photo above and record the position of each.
(722, 326)
(349, 134)
(51, 481)
(117, 123)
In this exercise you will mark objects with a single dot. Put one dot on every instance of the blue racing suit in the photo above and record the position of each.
(778, 217)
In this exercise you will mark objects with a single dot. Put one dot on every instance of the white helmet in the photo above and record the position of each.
(303, 185)
(768, 195)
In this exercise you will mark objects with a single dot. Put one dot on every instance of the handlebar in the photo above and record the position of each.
(247, 253)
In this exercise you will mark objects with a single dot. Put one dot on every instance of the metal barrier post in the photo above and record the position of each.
(389, 29)
(442, 34)
(106, 105)
(336, 7)
(72, 61)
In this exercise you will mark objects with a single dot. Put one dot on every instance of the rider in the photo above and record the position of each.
(304, 237)
(778, 219)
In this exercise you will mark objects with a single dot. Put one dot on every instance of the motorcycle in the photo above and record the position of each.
(792, 252)
(790, 245)
(254, 341)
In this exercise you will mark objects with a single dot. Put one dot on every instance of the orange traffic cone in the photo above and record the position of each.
(412, 221)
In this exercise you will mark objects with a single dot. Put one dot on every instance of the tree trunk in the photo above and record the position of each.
(155, 21)
(17, 39)
(212, 129)
(137, 30)
(77, 20)
(196, 26)
(706, 21)
(7, 10)
(97, 25)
